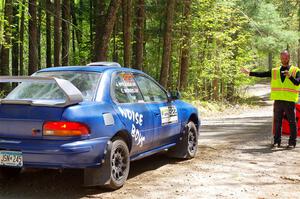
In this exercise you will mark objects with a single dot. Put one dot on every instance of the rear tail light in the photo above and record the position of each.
(65, 129)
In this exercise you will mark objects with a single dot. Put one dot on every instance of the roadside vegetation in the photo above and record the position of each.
(2, 94)
(195, 46)
(211, 109)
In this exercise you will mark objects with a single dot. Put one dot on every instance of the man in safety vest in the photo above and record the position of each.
(284, 91)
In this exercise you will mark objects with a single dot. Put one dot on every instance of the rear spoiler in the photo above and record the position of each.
(73, 95)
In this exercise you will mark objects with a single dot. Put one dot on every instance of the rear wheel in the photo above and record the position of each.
(115, 168)
(187, 146)
(119, 161)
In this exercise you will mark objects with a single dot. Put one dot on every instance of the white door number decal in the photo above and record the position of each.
(137, 120)
(168, 115)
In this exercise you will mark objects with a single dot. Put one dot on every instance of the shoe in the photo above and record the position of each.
(276, 142)
(276, 145)
(291, 144)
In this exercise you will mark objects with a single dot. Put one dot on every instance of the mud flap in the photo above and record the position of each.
(99, 176)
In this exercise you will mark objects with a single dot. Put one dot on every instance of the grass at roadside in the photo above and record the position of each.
(214, 109)
(250, 97)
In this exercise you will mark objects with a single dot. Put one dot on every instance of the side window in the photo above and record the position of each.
(150, 90)
(125, 90)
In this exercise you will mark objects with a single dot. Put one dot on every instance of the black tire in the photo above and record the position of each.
(187, 146)
(8, 172)
(114, 169)
(120, 164)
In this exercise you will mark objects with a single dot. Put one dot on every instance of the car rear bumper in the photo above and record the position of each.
(54, 154)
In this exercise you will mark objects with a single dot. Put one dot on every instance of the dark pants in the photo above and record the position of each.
(288, 108)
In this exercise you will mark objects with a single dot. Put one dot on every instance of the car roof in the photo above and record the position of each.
(99, 69)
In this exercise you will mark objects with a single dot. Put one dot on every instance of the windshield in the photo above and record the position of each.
(86, 82)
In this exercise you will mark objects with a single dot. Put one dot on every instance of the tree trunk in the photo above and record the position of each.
(80, 13)
(126, 5)
(74, 20)
(80, 17)
(39, 21)
(76, 31)
(159, 48)
(65, 32)
(1, 28)
(101, 51)
(217, 45)
(184, 61)
(22, 27)
(92, 29)
(33, 50)
(115, 54)
(139, 34)
(171, 78)
(164, 72)
(48, 33)
(100, 21)
(73, 46)
(215, 88)
(4, 58)
(231, 83)
(270, 60)
(208, 90)
(57, 25)
(15, 42)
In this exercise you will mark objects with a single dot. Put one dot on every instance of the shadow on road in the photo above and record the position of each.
(151, 163)
(68, 184)
(263, 149)
(261, 100)
(238, 130)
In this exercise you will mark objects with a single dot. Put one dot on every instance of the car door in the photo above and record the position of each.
(166, 120)
(132, 111)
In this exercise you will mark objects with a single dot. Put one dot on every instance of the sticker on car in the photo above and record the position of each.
(128, 84)
(108, 119)
(137, 120)
(169, 115)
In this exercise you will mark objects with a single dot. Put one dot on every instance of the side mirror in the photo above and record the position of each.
(174, 95)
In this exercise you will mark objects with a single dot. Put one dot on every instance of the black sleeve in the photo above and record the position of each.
(260, 74)
(296, 80)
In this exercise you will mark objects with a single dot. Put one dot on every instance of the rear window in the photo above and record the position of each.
(87, 83)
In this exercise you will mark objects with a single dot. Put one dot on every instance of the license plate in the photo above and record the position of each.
(11, 158)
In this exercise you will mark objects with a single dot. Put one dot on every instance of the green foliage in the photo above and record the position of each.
(2, 94)
(274, 35)
(221, 44)
(2, 21)
(225, 35)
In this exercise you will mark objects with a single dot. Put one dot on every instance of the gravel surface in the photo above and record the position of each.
(234, 160)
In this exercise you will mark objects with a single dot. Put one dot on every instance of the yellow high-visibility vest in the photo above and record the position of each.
(285, 90)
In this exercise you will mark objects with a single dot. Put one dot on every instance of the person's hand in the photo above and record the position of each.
(245, 70)
(286, 73)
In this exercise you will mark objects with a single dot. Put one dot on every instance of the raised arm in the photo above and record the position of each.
(255, 74)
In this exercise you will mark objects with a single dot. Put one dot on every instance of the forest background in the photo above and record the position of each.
(195, 46)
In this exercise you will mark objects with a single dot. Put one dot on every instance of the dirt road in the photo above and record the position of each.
(234, 161)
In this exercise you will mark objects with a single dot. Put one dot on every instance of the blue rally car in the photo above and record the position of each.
(97, 117)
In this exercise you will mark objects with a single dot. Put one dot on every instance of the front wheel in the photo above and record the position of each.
(187, 146)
